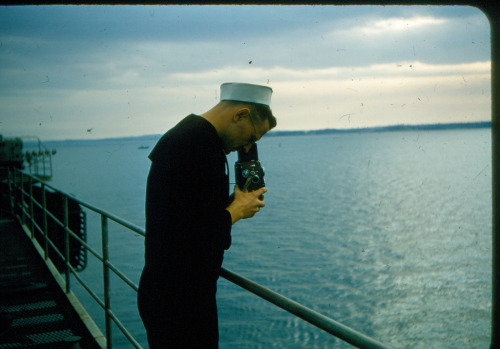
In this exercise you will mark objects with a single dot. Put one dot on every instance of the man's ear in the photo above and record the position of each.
(241, 114)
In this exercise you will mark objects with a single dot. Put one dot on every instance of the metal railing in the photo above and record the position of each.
(39, 158)
(23, 201)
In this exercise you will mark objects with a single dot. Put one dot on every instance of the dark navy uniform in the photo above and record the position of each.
(187, 231)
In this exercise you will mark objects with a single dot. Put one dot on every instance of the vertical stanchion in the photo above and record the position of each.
(43, 162)
(32, 219)
(35, 163)
(11, 190)
(66, 242)
(21, 191)
(15, 203)
(45, 227)
(50, 164)
(495, 132)
(105, 272)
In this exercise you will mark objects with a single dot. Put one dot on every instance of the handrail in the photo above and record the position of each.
(319, 320)
(313, 317)
(25, 201)
(34, 157)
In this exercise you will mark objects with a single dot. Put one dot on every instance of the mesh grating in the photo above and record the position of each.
(34, 312)
(37, 320)
(29, 306)
(50, 337)
(11, 345)
(48, 340)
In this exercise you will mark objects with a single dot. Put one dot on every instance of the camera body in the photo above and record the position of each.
(248, 170)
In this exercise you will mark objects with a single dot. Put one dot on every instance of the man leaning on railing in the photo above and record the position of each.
(189, 215)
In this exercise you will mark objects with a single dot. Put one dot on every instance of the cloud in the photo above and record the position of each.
(136, 70)
(409, 93)
(397, 25)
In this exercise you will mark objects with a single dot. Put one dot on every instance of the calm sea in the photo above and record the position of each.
(388, 233)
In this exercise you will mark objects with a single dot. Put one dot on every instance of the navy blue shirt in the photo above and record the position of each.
(187, 224)
(187, 230)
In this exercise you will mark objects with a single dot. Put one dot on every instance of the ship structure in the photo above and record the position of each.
(35, 309)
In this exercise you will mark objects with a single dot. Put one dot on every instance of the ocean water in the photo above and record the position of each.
(388, 233)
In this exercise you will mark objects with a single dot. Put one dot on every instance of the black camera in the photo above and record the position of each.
(248, 170)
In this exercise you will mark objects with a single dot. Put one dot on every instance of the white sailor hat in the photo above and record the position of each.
(235, 91)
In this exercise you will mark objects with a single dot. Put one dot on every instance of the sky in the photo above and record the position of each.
(90, 72)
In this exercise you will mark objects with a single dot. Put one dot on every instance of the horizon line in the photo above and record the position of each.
(275, 133)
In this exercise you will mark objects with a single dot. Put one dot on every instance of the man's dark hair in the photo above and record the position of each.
(262, 112)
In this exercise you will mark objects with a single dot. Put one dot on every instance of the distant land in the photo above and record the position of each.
(392, 128)
(425, 127)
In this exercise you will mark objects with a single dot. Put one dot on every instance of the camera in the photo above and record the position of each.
(248, 170)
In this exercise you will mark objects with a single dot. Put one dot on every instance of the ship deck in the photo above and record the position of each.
(34, 311)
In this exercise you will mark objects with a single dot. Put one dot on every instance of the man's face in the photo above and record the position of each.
(244, 134)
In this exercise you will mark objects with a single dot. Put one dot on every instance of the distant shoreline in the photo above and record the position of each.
(391, 128)
(424, 127)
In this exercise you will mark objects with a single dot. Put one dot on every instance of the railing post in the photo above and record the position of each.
(495, 160)
(105, 272)
(45, 226)
(35, 164)
(11, 190)
(16, 195)
(32, 218)
(66, 242)
(43, 163)
(21, 191)
(50, 164)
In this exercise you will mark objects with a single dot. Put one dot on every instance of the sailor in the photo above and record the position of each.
(189, 215)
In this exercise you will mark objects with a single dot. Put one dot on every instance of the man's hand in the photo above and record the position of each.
(246, 204)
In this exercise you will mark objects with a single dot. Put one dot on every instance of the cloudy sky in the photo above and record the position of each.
(71, 72)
